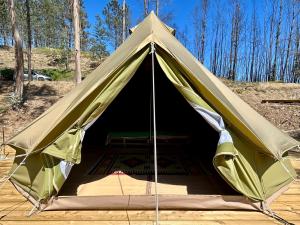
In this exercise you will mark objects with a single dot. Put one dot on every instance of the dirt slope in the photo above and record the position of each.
(45, 58)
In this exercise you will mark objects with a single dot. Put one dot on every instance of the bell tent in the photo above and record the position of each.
(93, 149)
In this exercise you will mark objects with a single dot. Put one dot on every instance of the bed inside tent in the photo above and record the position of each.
(117, 165)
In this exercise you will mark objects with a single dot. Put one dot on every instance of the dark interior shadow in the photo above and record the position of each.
(131, 112)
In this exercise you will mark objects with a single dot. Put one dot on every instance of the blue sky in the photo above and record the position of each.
(179, 7)
(182, 10)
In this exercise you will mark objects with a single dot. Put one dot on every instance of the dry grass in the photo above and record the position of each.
(40, 95)
(43, 58)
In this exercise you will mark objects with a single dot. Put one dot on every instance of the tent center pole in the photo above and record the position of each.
(154, 133)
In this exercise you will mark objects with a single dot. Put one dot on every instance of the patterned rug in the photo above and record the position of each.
(142, 163)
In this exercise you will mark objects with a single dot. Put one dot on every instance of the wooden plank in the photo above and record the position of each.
(288, 198)
(289, 206)
(21, 205)
(202, 222)
(292, 191)
(134, 215)
(289, 215)
(280, 101)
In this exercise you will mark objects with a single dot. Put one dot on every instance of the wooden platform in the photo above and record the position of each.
(14, 210)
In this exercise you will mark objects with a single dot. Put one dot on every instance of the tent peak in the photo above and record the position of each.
(153, 19)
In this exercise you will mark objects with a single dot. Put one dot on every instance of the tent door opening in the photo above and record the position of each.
(117, 151)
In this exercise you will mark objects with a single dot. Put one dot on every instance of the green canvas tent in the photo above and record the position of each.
(244, 156)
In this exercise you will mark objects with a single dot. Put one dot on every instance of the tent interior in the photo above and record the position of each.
(117, 151)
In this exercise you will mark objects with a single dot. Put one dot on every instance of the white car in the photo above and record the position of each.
(37, 76)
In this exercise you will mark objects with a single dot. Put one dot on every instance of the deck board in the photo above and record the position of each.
(14, 210)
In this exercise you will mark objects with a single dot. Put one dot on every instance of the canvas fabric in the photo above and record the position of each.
(251, 151)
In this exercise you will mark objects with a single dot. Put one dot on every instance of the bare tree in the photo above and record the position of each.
(146, 6)
(235, 38)
(289, 44)
(200, 24)
(215, 52)
(29, 39)
(124, 21)
(269, 55)
(254, 43)
(76, 11)
(296, 57)
(204, 7)
(157, 7)
(19, 70)
(277, 42)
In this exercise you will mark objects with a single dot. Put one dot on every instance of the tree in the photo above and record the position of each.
(19, 72)
(98, 40)
(236, 25)
(197, 31)
(124, 21)
(5, 30)
(277, 42)
(113, 19)
(254, 44)
(76, 11)
(146, 6)
(29, 37)
(200, 23)
(296, 63)
(204, 7)
(289, 44)
(84, 25)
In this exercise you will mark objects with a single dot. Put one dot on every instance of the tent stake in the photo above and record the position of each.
(154, 134)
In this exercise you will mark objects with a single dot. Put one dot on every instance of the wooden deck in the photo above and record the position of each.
(14, 210)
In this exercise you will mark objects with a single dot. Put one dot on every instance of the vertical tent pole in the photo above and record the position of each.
(154, 133)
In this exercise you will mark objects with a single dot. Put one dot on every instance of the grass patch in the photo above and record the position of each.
(58, 74)
(3, 109)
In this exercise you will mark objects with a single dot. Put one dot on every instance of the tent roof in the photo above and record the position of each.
(238, 115)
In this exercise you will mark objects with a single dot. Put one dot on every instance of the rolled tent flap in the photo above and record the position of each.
(67, 146)
(59, 157)
(227, 161)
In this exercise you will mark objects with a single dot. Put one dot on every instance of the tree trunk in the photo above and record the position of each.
(157, 7)
(269, 57)
(289, 40)
(76, 41)
(277, 43)
(146, 7)
(203, 29)
(19, 70)
(28, 20)
(124, 21)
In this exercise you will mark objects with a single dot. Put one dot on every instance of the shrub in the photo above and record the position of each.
(57, 74)
(7, 74)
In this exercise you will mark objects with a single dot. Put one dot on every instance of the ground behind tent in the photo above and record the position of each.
(42, 94)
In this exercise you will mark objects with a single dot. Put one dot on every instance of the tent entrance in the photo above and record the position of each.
(117, 152)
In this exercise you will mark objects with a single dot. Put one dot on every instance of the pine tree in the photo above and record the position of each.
(98, 41)
(113, 21)
(5, 31)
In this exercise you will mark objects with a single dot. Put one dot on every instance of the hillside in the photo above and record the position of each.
(41, 95)
(47, 58)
